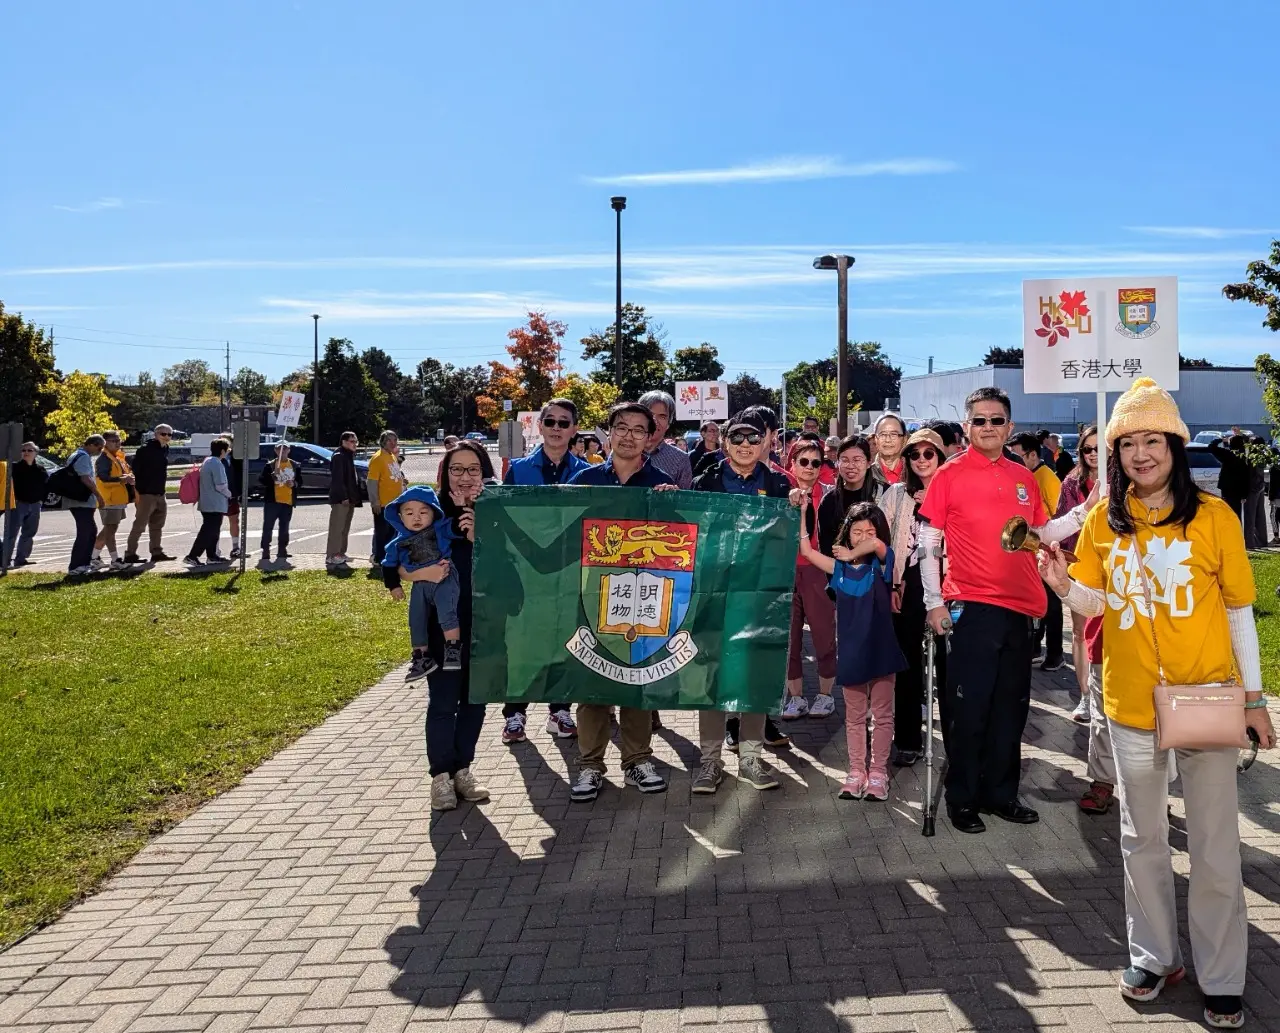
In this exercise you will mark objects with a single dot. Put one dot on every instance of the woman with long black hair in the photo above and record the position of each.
(1165, 566)
(854, 484)
(453, 721)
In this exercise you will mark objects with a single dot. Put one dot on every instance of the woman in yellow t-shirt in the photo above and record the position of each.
(281, 480)
(1157, 534)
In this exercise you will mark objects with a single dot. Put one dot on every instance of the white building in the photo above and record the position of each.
(1209, 399)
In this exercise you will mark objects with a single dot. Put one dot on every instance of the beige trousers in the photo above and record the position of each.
(635, 726)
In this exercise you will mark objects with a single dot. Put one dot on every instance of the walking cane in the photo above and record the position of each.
(929, 806)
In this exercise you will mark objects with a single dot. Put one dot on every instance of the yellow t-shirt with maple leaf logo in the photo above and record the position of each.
(1195, 573)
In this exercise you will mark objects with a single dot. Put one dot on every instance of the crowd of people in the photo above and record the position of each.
(898, 532)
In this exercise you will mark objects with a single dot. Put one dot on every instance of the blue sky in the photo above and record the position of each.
(421, 174)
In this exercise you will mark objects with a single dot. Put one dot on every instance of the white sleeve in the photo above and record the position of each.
(1244, 643)
(1088, 602)
(1064, 526)
(929, 550)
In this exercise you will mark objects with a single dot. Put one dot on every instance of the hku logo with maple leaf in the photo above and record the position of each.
(1059, 316)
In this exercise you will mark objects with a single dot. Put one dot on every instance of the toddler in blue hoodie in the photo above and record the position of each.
(424, 535)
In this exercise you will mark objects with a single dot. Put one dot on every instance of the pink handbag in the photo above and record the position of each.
(1209, 716)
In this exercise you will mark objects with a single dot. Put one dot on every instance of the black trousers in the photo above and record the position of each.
(86, 533)
(1050, 628)
(989, 696)
(207, 537)
(382, 535)
(908, 689)
(522, 707)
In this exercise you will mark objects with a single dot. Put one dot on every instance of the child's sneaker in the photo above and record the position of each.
(513, 730)
(822, 706)
(452, 654)
(421, 666)
(561, 725)
(797, 706)
(877, 787)
(855, 786)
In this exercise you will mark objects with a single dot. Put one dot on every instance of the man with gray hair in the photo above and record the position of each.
(150, 471)
(670, 460)
(84, 510)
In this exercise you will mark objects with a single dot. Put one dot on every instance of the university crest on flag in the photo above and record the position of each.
(637, 583)
(1137, 311)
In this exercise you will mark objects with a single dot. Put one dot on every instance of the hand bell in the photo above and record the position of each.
(1017, 536)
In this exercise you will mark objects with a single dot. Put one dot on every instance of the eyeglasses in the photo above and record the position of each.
(807, 463)
(464, 471)
(888, 433)
(740, 437)
(982, 421)
(163, 434)
(629, 432)
(854, 455)
(551, 421)
(1089, 450)
(922, 453)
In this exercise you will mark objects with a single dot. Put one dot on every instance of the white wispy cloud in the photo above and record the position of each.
(1199, 232)
(779, 169)
(100, 205)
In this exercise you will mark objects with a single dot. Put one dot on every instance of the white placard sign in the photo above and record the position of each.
(1099, 333)
(530, 427)
(290, 409)
(702, 400)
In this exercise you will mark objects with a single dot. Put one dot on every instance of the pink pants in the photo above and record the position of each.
(872, 700)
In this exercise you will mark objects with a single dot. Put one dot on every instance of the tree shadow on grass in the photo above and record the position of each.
(791, 908)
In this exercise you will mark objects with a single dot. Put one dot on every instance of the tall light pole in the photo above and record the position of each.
(840, 263)
(618, 204)
(315, 383)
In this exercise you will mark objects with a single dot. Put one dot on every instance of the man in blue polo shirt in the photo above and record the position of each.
(549, 463)
(630, 425)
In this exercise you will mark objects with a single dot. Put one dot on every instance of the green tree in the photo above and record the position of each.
(592, 398)
(644, 357)
(83, 405)
(747, 390)
(1268, 371)
(28, 380)
(449, 396)
(1003, 357)
(1261, 287)
(405, 413)
(872, 377)
(535, 347)
(824, 392)
(251, 387)
(134, 408)
(697, 362)
(186, 382)
(350, 399)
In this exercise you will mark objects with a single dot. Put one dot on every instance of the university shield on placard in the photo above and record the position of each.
(1137, 311)
(637, 582)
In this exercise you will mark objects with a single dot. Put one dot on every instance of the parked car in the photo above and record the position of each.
(1208, 437)
(1070, 442)
(1204, 466)
(315, 463)
(477, 435)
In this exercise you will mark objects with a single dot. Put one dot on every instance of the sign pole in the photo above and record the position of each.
(1101, 302)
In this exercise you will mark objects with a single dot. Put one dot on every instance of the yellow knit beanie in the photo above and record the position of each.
(1145, 406)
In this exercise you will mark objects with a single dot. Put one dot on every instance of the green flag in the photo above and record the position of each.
(659, 600)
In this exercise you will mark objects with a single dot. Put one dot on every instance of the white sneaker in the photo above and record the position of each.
(822, 706)
(97, 563)
(586, 786)
(117, 563)
(561, 725)
(1083, 712)
(513, 730)
(467, 787)
(797, 706)
(79, 571)
(644, 776)
(443, 796)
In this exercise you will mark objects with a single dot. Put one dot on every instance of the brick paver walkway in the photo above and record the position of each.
(318, 895)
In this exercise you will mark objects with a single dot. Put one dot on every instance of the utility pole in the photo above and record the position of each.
(226, 391)
(930, 363)
(618, 203)
(840, 263)
(315, 384)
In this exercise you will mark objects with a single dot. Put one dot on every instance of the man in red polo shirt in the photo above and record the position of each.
(997, 597)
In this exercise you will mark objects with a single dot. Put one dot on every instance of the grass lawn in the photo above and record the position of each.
(127, 702)
(1266, 573)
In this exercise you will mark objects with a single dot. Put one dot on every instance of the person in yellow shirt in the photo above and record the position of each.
(386, 482)
(281, 480)
(1049, 631)
(115, 480)
(1156, 537)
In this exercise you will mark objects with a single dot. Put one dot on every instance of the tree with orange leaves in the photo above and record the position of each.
(535, 349)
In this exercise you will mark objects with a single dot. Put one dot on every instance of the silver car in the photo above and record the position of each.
(1204, 467)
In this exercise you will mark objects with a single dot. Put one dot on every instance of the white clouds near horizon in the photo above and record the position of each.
(102, 204)
(777, 170)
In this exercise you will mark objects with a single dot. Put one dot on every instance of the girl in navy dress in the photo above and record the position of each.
(867, 654)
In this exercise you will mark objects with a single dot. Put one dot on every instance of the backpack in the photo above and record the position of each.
(66, 482)
(189, 487)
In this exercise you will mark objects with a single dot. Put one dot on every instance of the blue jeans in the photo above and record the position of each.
(422, 597)
(21, 525)
(273, 512)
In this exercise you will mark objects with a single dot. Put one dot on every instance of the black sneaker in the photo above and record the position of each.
(129, 557)
(1053, 663)
(452, 655)
(644, 776)
(731, 735)
(161, 557)
(773, 736)
(421, 666)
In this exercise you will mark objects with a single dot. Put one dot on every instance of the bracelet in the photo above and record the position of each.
(1257, 704)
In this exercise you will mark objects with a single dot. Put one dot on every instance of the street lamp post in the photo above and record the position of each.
(840, 263)
(315, 382)
(618, 204)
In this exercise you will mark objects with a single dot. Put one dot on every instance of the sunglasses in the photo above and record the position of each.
(807, 463)
(551, 421)
(922, 453)
(740, 437)
(1090, 450)
(982, 421)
